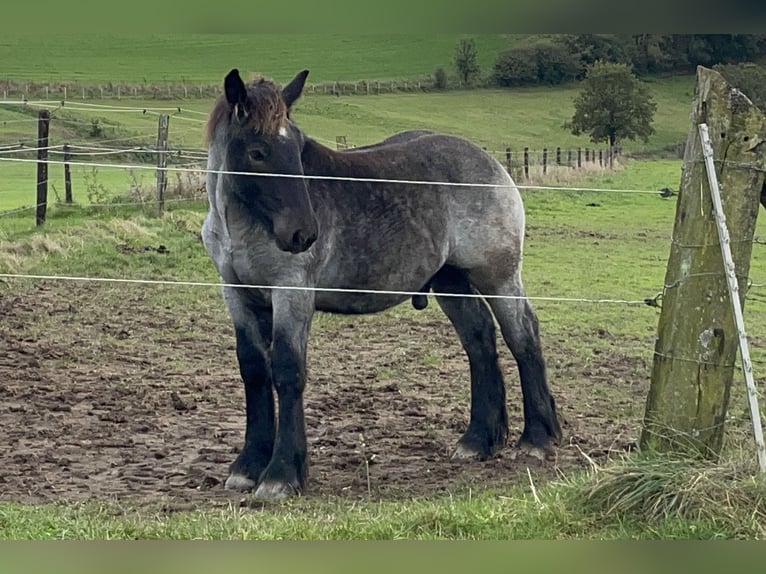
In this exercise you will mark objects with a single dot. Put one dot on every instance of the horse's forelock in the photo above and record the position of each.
(268, 111)
(267, 106)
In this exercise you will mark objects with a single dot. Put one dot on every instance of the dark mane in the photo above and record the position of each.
(266, 107)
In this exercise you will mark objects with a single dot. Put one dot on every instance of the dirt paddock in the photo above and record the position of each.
(108, 392)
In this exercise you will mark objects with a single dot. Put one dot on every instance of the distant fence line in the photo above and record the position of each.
(520, 163)
(14, 89)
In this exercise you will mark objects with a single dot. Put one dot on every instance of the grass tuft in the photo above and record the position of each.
(657, 488)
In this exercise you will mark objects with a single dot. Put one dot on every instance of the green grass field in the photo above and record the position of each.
(206, 58)
(495, 119)
(622, 244)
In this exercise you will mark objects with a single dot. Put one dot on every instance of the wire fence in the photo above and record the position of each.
(9, 154)
(523, 163)
(80, 92)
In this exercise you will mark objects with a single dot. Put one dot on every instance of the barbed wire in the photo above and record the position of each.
(103, 107)
(736, 365)
(22, 209)
(70, 149)
(726, 162)
(20, 121)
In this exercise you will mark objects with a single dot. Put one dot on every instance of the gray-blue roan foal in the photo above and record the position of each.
(379, 236)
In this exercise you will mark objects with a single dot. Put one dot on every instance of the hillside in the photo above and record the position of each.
(205, 58)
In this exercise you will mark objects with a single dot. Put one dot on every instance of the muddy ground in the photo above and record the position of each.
(116, 391)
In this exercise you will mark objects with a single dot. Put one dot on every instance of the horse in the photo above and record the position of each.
(294, 227)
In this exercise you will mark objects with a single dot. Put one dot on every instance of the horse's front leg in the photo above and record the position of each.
(287, 472)
(253, 329)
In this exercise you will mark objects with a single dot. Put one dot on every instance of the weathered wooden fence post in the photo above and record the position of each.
(508, 159)
(67, 175)
(162, 160)
(545, 160)
(558, 157)
(526, 162)
(724, 241)
(697, 338)
(43, 123)
(579, 157)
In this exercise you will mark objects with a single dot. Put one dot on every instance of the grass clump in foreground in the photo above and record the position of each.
(726, 499)
(637, 497)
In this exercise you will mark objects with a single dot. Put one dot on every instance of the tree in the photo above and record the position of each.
(749, 78)
(515, 67)
(590, 48)
(544, 63)
(612, 106)
(465, 61)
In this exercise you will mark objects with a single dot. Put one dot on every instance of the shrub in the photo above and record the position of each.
(515, 67)
(545, 63)
(440, 79)
(555, 64)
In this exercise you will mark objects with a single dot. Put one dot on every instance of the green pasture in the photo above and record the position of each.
(606, 245)
(519, 117)
(495, 119)
(207, 58)
(90, 184)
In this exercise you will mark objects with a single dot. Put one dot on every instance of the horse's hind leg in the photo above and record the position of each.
(519, 326)
(488, 427)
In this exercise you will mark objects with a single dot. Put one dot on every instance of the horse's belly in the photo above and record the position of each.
(355, 303)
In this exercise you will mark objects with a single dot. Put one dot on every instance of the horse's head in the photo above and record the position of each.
(260, 138)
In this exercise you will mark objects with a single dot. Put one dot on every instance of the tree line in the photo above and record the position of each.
(559, 58)
(613, 104)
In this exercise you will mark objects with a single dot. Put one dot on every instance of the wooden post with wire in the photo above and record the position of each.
(43, 123)
(526, 163)
(162, 160)
(734, 296)
(697, 333)
(67, 175)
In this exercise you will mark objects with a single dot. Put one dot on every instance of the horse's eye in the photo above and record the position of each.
(257, 154)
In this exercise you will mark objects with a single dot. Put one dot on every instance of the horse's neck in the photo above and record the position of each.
(322, 160)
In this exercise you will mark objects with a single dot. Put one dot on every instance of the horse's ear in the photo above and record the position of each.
(234, 88)
(292, 91)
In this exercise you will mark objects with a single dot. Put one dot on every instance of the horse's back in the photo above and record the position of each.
(468, 215)
(486, 215)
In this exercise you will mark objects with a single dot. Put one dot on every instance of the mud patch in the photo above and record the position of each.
(113, 392)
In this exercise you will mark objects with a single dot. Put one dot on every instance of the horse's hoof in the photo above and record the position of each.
(275, 490)
(464, 452)
(239, 482)
(541, 453)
